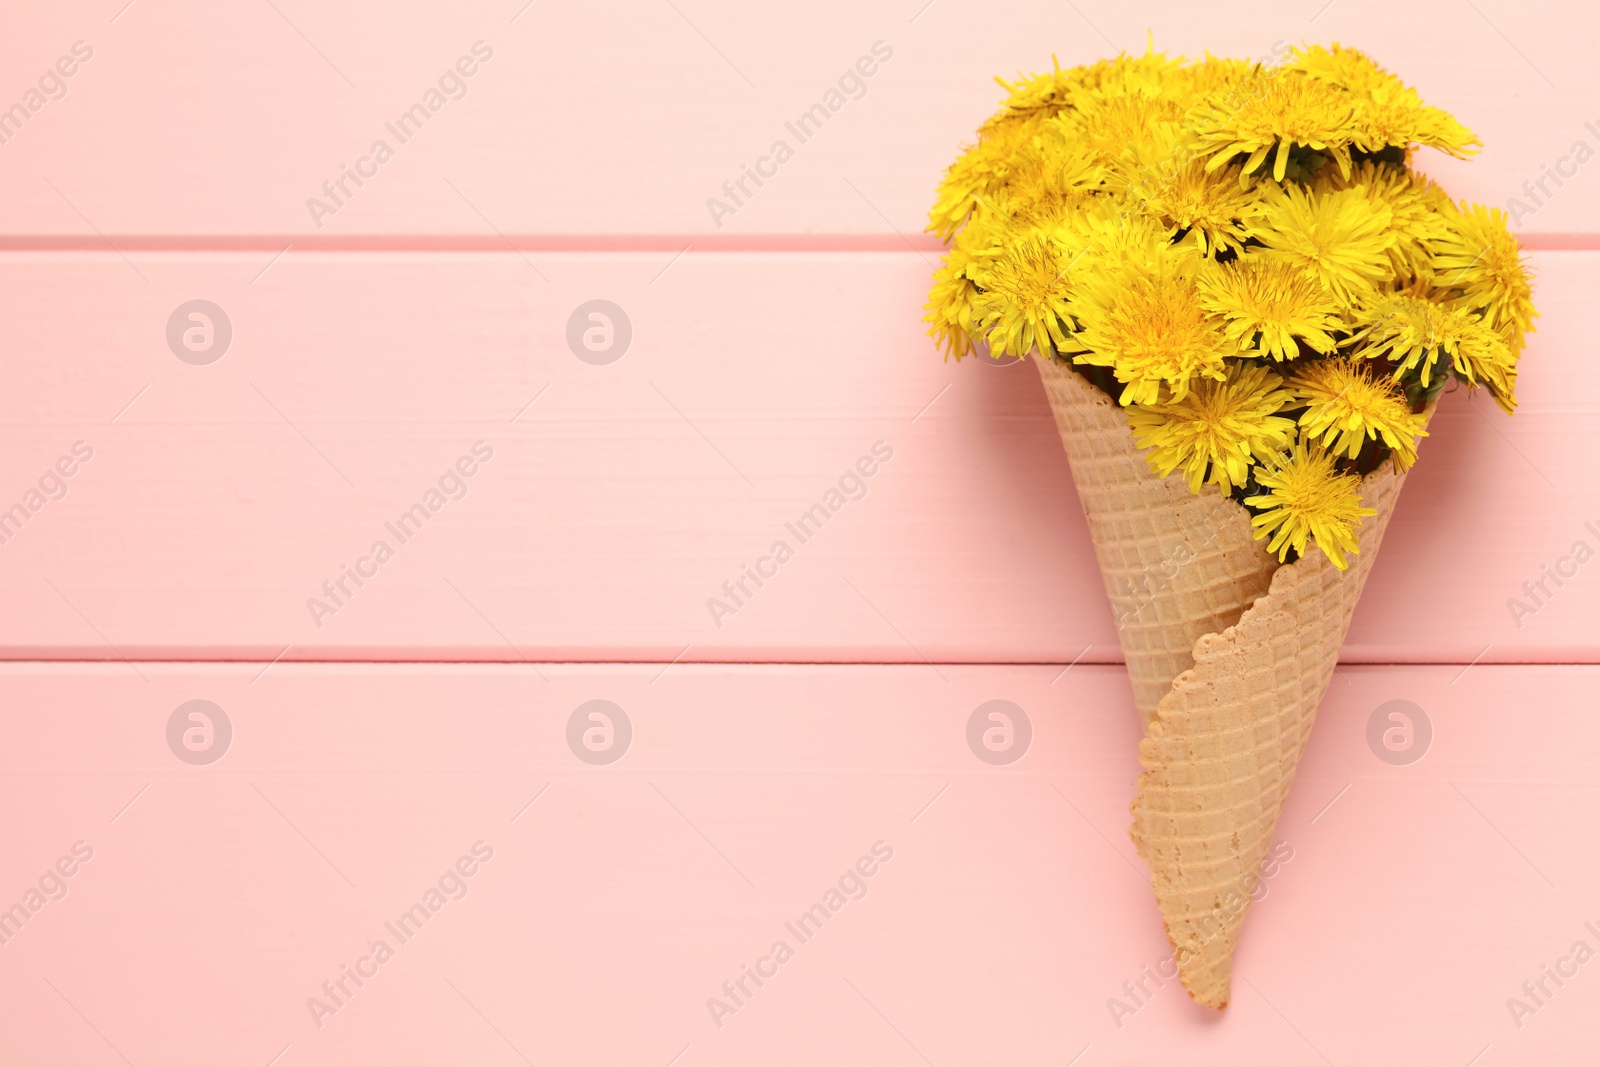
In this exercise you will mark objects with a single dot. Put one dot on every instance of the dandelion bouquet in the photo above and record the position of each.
(1244, 302)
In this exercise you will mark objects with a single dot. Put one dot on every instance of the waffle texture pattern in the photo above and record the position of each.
(1230, 655)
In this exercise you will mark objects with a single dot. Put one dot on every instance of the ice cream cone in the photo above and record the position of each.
(1229, 654)
(1177, 565)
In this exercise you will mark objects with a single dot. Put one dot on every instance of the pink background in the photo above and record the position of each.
(768, 754)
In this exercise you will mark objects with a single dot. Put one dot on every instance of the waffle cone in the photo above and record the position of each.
(1177, 565)
(1229, 654)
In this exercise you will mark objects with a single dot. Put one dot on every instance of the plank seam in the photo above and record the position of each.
(66, 661)
(648, 243)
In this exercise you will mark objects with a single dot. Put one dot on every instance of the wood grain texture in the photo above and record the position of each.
(1012, 910)
(622, 118)
(222, 497)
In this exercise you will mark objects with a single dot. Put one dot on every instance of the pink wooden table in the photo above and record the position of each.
(398, 829)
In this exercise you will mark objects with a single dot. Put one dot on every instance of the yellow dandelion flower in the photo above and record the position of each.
(979, 173)
(1307, 499)
(1047, 185)
(1480, 257)
(1407, 330)
(1500, 378)
(1148, 327)
(1404, 120)
(1030, 99)
(1162, 175)
(1212, 76)
(1044, 95)
(1341, 238)
(1035, 96)
(1346, 406)
(1219, 429)
(1387, 110)
(1125, 75)
(1414, 333)
(1113, 239)
(1013, 173)
(1480, 356)
(1275, 109)
(1021, 297)
(1347, 68)
(1268, 304)
(1116, 127)
(949, 305)
(1073, 164)
(1108, 126)
(1415, 206)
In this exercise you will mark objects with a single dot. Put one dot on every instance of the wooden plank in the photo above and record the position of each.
(620, 498)
(620, 118)
(1011, 912)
